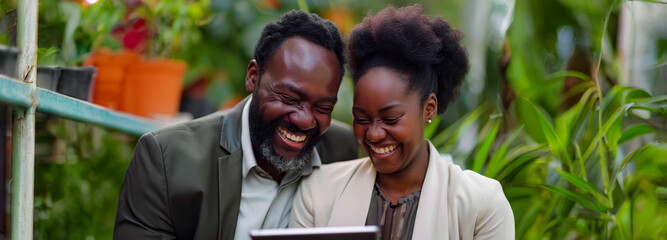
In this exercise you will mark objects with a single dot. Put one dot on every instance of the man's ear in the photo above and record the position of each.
(252, 76)
(430, 107)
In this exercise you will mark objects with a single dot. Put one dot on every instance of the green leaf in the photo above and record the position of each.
(651, 151)
(569, 122)
(498, 160)
(574, 197)
(528, 116)
(303, 5)
(485, 147)
(562, 74)
(621, 95)
(521, 158)
(585, 186)
(452, 132)
(634, 132)
(553, 80)
(549, 133)
(653, 1)
(613, 121)
(528, 219)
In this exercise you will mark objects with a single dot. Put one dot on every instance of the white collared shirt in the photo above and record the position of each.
(264, 202)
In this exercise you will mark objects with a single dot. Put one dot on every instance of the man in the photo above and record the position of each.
(225, 174)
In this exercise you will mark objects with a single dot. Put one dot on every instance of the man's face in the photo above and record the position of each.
(292, 103)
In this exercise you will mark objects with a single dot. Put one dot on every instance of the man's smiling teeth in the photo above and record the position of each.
(290, 136)
(383, 150)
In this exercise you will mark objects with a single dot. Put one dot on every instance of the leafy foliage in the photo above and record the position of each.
(78, 179)
(579, 154)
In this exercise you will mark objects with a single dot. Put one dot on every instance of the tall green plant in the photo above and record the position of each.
(78, 179)
(591, 169)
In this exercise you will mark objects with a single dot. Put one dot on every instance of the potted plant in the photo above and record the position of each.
(48, 77)
(110, 75)
(8, 59)
(76, 82)
(153, 87)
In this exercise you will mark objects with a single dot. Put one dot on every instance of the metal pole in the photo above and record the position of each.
(23, 132)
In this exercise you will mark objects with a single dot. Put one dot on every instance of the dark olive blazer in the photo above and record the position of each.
(184, 181)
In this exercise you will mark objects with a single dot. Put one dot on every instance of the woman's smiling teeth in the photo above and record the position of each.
(383, 150)
(291, 136)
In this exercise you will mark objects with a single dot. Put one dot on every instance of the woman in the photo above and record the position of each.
(407, 67)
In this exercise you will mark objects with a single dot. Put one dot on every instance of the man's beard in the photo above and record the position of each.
(262, 134)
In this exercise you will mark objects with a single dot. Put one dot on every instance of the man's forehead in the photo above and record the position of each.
(299, 52)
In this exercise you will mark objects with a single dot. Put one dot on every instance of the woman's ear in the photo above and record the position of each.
(252, 76)
(430, 107)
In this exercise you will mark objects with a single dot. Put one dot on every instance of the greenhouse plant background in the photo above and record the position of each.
(565, 103)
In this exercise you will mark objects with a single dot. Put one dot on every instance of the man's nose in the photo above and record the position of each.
(303, 118)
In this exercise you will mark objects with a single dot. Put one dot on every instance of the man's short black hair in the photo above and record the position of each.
(428, 49)
(295, 23)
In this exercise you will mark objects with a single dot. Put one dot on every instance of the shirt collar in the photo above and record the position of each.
(249, 161)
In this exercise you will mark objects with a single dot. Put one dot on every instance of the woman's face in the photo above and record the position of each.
(389, 120)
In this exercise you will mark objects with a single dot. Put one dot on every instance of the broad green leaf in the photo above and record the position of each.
(613, 134)
(528, 219)
(631, 156)
(527, 115)
(621, 95)
(657, 104)
(499, 158)
(484, 150)
(519, 159)
(604, 165)
(585, 186)
(553, 81)
(550, 134)
(611, 122)
(576, 74)
(574, 197)
(520, 192)
(569, 122)
(634, 132)
(452, 132)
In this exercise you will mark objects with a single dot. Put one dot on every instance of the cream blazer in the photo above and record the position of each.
(454, 204)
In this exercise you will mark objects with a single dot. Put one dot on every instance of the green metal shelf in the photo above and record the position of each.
(17, 93)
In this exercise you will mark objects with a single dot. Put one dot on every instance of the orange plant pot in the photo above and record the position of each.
(110, 74)
(153, 87)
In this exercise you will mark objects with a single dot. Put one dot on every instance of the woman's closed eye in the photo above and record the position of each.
(361, 121)
(391, 120)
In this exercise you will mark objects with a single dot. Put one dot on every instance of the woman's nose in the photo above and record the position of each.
(375, 133)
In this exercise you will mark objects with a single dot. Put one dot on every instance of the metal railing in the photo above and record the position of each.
(26, 98)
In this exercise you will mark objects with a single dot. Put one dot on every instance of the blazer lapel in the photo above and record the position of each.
(432, 220)
(229, 193)
(351, 208)
(230, 164)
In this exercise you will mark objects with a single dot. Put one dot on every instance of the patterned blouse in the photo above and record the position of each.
(395, 221)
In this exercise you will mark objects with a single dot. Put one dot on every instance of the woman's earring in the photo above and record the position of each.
(429, 121)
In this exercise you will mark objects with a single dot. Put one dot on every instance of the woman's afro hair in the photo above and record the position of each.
(427, 48)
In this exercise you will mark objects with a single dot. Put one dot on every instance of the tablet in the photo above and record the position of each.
(322, 233)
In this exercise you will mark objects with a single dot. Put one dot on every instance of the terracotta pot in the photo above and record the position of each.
(110, 75)
(153, 87)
